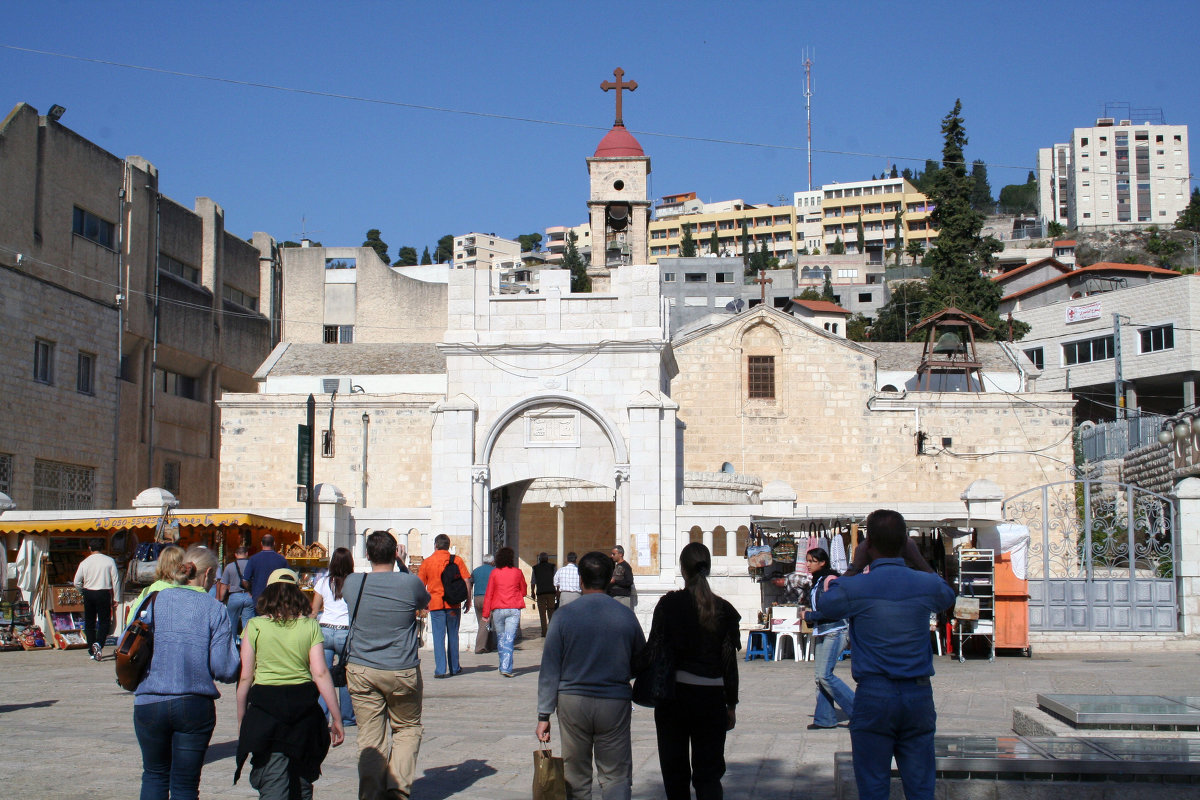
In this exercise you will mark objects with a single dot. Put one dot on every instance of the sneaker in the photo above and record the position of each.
(96, 651)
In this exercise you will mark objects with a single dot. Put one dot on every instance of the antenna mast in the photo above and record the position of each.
(808, 109)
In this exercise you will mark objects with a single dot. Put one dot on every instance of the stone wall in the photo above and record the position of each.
(1149, 467)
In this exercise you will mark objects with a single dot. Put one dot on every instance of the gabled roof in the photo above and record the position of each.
(906, 356)
(820, 306)
(762, 309)
(1021, 270)
(410, 358)
(1103, 266)
(1065, 243)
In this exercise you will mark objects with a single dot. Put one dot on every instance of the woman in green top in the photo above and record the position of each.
(282, 728)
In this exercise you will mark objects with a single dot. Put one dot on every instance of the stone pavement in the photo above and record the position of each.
(68, 730)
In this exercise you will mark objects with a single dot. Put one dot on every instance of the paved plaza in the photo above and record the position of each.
(69, 730)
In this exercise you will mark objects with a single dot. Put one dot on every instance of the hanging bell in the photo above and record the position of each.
(949, 343)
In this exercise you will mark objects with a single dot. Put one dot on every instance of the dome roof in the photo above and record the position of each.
(617, 143)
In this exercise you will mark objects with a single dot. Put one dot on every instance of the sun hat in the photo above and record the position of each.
(283, 575)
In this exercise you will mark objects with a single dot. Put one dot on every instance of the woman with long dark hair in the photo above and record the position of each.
(281, 726)
(503, 603)
(174, 710)
(331, 611)
(830, 636)
(700, 632)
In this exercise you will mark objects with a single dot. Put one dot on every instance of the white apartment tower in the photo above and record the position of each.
(1117, 174)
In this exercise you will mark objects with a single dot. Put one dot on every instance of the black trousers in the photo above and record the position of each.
(97, 615)
(695, 718)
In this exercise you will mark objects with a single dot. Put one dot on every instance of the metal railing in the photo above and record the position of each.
(1114, 439)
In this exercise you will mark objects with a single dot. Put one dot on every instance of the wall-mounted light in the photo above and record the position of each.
(1165, 436)
(1183, 429)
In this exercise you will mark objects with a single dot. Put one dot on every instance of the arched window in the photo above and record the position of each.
(718, 545)
(695, 534)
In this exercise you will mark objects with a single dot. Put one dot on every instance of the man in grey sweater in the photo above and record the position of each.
(585, 674)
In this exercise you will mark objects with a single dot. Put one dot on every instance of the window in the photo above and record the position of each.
(346, 263)
(668, 277)
(62, 487)
(174, 383)
(1161, 337)
(92, 228)
(1088, 350)
(241, 298)
(339, 334)
(724, 277)
(847, 273)
(43, 361)
(327, 443)
(85, 374)
(695, 277)
(761, 377)
(6, 473)
(864, 297)
(170, 479)
(174, 266)
(1037, 356)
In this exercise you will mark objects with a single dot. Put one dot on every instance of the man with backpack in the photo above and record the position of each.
(445, 577)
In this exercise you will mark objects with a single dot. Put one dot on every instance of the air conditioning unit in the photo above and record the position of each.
(335, 385)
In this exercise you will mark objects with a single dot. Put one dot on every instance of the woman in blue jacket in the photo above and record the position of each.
(831, 636)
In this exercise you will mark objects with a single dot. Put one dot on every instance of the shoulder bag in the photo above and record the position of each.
(654, 672)
(338, 670)
(136, 647)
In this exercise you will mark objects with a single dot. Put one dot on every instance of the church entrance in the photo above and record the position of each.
(552, 515)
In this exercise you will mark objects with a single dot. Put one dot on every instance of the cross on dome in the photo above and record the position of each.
(619, 73)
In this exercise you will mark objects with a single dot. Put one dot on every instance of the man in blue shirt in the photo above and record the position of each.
(260, 566)
(889, 607)
(485, 638)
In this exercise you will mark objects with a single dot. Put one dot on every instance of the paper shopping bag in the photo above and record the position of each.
(549, 782)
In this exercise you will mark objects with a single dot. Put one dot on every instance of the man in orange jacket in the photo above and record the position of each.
(444, 617)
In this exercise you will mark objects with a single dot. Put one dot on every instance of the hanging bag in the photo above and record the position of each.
(338, 670)
(654, 673)
(549, 780)
(136, 647)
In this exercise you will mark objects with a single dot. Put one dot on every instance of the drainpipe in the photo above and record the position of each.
(366, 425)
(120, 301)
(154, 340)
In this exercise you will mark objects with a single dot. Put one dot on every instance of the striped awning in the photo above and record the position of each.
(127, 521)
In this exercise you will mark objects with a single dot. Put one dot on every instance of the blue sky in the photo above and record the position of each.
(884, 76)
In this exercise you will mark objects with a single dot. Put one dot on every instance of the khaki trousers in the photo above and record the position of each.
(485, 640)
(387, 705)
(595, 727)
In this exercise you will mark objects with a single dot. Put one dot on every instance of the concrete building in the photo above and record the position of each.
(767, 226)
(127, 317)
(876, 203)
(1116, 175)
(555, 238)
(809, 221)
(485, 251)
(695, 288)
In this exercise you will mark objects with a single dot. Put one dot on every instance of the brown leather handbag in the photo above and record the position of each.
(136, 647)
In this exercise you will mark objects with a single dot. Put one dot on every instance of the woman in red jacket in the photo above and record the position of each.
(503, 604)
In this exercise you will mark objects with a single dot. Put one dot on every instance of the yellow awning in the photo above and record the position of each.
(127, 521)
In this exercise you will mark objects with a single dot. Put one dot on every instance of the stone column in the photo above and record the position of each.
(1187, 555)
(1189, 391)
(333, 517)
(454, 506)
(560, 507)
(480, 475)
(706, 538)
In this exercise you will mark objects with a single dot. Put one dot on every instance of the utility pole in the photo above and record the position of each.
(808, 110)
(1119, 412)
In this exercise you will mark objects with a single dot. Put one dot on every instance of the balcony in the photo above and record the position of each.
(1110, 440)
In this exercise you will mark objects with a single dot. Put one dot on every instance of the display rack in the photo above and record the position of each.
(977, 579)
(66, 617)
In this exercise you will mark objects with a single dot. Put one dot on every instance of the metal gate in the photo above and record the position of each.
(1101, 556)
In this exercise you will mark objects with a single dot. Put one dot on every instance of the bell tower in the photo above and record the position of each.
(618, 204)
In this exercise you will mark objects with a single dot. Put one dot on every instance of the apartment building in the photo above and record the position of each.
(485, 251)
(809, 228)
(772, 227)
(876, 203)
(554, 239)
(126, 316)
(1116, 175)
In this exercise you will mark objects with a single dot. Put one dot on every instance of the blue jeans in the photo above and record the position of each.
(241, 610)
(173, 735)
(335, 640)
(445, 639)
(505, 622)
(893, 718)
(830, 688)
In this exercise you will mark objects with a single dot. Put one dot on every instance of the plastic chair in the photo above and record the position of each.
(758, 645)
(786, 622)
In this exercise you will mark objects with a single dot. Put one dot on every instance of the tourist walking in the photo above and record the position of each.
(587, 663)
(282, 728)
(98, 582)
(830, 634)
(384, 671)
(503, 604)
(174, 709)
(894, 715)
(170, 558)
(541, 590)
(231, 592)
(260, 567)
(485, 637)
(566, 581)
(445, 613)
(330, 609)
(699, 632)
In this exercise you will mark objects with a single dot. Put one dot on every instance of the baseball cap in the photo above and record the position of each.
(283, 575)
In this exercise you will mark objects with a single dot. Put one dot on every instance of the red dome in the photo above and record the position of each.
(617, 143)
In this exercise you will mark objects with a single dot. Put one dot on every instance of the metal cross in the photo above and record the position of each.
(762, 280)
(619, 73)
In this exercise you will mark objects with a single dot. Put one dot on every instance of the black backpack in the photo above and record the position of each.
(454, 588)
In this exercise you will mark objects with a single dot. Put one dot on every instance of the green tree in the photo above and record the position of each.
(378, 245)
(1162, 248)
(960, 255)
(1189, 218)
(580, 282)
(530, 242)
(924, 180)
(902, 311)
(687, 245)
(897, 236)
(406, 257)
(745, 246)
(858, 328)
(894, 173)
(914, 250)
(1055, 228)
(425, 257)
(837, 248)
(827, 290)
(907, 174)
(858, 232)
(714, 243)
(809, 294)
(981, 190)
(445, 250)
(1020, 198)
(290, 243)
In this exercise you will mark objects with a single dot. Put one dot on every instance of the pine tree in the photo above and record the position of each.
(838, 248)
(714, 243)
(426, 258)
(687, 245)
(1189, 218)
(745, 246)
(378, 245)
(580, 282)
(827, 290)
(858, 231)
(445, 250)
(898, 236)
(894, 173)
(406, 257)
(981, 190)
